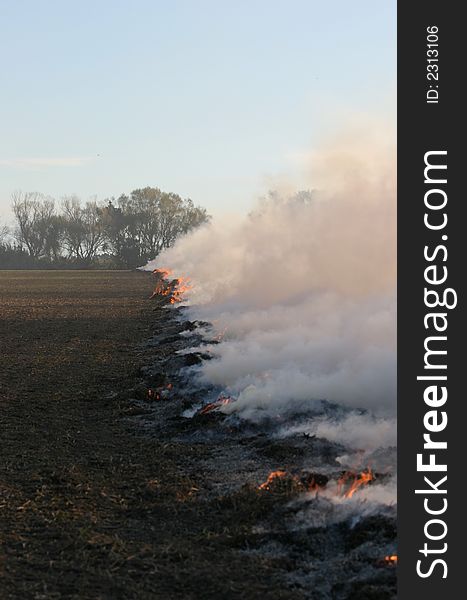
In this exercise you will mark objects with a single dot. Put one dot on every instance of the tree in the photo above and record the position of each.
(132, 229)
(147, 221)
(54, 238)
(119, 233)
(83, 229)
(33, 213)
(4, 233)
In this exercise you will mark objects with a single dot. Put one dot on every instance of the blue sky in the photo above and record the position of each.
(207, 98)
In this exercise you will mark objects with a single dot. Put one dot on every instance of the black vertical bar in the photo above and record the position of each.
(431, 119)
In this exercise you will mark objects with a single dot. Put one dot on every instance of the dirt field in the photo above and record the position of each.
(89, 508)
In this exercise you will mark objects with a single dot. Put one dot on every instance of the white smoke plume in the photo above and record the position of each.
(355, 430)
(303, 289)
(328, 508)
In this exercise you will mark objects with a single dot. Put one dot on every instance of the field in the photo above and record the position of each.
(89, 506)
(118, 481)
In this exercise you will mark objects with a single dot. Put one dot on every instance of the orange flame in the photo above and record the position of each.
(271, 477)
(347, 484)
(391, 559)
(356, 482)
(175, 288)
(313, 483)
(163, 273)
(216, 405)
(182, 286)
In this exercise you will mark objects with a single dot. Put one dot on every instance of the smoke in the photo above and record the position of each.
(302, 290)
(327, 508)
(354, 430)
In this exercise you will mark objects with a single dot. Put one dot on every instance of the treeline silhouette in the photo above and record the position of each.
(118, 233)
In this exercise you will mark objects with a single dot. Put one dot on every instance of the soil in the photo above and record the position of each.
(115, 485)
(89, 506)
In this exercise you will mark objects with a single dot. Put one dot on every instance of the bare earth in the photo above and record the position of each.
(90, 508)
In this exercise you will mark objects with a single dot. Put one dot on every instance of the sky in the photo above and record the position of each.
(211, 99)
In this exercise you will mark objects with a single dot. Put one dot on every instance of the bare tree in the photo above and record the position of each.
(134, 229)
(4, 233)
(33, 214)
(83, 228)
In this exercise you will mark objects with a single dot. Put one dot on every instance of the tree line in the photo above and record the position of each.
(118, 233)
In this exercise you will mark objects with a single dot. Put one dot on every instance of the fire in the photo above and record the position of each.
(182, 286)
(356, 480)
(216, 405)
(172, 288)
(347, 484)
(163, 273)
(312, 482)
(315, 482)
(391, 559)
(271, 477)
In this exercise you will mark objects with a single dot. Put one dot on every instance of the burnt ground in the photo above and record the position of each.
(107, 491)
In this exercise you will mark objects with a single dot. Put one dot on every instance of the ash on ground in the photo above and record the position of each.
(322, 512)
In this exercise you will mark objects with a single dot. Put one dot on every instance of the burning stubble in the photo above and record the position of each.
(300, 296)
(303, 289)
